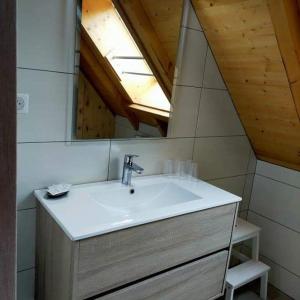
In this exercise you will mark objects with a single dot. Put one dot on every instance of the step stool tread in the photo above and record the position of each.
(245, 272)
(243, 230)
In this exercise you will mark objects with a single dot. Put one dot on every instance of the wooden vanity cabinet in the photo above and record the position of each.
(199, 280)
(167, 259)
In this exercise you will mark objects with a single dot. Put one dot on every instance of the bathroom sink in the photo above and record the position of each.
(138, 199)
(98, 208)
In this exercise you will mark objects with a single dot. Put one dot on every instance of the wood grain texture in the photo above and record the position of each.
(244, 42)
(8, 149)
(94, 119)
(55, 261)
(200, 280)
(115, 259)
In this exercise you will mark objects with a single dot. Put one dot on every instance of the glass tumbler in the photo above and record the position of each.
(194, 171)
(169, 167)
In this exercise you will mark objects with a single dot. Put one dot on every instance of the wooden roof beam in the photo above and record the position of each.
(155, 113)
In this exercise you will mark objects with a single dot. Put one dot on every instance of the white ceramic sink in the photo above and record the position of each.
(139, 199)
(93, 209)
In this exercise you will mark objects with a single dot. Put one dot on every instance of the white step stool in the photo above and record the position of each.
(251, 269)
(246, 231)
(245, 273)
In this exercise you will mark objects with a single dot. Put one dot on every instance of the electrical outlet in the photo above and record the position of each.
(22, 103)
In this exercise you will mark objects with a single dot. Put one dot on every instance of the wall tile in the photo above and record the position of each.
(278, 243)
(284, 280)
(183, 119)
(25, 285)
(49, 94)
(146, 130)
(46, 34)
(252, 162)
(26, 239)
(282, 174)
(124, 129)
(193, 59)
(192, 21)
(217, 116)
(42, 164)
(277, 201)
(220, 157)
(234, 185)
(152, 154)
(212, 75)
(247, 191)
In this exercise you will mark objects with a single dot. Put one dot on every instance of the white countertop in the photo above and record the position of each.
(81, 216)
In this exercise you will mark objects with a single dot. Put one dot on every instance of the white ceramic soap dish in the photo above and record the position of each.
(58, 190)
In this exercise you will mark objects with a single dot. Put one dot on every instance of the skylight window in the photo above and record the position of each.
(114, 41)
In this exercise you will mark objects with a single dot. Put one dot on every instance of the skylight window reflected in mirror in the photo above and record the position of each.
(115, 43)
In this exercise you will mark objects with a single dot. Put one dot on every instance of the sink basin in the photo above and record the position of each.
(140, 199)
(98, 208)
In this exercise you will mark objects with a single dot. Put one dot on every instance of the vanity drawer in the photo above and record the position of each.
(200, 280)
(112, 260)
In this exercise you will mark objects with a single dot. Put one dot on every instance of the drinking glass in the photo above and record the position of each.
(194, 171)
(179, 168)
(169, 167)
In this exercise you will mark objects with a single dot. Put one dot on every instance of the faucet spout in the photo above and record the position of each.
(128, 167)
(136, 168)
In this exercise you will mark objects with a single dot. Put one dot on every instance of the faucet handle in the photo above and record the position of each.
(129, 157)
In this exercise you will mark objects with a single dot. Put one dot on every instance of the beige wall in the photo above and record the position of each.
(204, 126)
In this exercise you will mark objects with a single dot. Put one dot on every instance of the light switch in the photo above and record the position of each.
(22, 103)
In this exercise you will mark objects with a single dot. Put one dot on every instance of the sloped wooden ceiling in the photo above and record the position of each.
(257, 49)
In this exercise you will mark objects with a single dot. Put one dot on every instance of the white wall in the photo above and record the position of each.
(275, 207)
(204, 110)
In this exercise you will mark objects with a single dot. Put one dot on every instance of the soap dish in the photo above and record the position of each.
(58, 190)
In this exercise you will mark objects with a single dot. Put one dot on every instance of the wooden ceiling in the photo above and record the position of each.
(256, 44)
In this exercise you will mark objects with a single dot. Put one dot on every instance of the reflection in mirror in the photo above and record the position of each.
(127, 61)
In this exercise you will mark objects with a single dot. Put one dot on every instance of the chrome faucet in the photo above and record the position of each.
(128, 167)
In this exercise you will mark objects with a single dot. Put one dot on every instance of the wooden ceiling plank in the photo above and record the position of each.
(155, 113)
(243, 40)
(165, 17)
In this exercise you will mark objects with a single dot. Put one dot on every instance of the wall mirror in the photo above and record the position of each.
(126, 67)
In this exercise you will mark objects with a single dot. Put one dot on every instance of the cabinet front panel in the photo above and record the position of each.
(121, 257)
(200, 280)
